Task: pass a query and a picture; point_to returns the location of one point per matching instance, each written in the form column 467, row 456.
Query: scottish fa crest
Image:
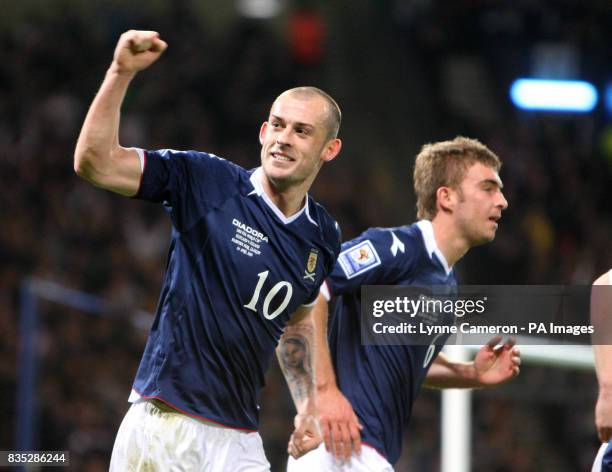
column 311, row 265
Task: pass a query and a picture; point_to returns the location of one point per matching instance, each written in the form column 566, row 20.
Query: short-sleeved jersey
column 237, row 269
column 381, row 381
column 606, row 462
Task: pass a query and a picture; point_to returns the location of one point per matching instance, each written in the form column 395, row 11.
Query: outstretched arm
column 98, row 157
column 601, row 312
column 491, row 366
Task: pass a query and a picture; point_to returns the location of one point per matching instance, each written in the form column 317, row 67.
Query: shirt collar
column 258, row 190
column 431, row 245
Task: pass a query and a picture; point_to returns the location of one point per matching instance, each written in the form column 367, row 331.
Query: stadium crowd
column 54, row 226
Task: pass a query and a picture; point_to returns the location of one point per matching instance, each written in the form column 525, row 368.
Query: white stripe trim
column 324, row 290
column 431, row 245
column 141, row 157
column 309, row 305
column 258, row 189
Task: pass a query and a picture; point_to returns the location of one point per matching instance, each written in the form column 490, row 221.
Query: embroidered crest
column 311, row 265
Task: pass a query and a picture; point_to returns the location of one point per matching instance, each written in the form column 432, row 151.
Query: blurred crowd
column 210, row 92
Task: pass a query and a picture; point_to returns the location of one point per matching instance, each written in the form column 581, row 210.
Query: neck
column 288, row 200
column 449, row 239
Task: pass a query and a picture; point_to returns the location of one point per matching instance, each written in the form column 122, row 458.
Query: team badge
column 358, row 259
column 311, row 265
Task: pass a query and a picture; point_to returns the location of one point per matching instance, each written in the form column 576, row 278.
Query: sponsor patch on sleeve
column 358, row 259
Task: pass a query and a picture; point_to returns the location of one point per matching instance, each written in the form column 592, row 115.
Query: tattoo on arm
column 296, row 359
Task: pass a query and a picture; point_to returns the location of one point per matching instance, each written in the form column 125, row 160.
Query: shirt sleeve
column 372, row 258
column 188, row 183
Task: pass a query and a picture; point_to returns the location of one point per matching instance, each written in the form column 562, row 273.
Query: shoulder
column 193, row 159
column 328, row 226
column 401, row 239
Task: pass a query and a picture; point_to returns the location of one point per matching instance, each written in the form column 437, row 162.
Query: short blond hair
column 444, row 164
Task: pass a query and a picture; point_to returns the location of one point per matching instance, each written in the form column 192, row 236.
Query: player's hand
column 339, row 424
column 305, row 437
column 496, row 365
column 603, row 416
column 137, row 50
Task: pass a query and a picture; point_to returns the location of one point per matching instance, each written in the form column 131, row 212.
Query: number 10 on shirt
column 252, row 305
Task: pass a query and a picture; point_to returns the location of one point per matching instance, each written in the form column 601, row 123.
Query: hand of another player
column 305, row 437
column 137, row 50
column 603, row 416
column 339, row 424
column 496, row 365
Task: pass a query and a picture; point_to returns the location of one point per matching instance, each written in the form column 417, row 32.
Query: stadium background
column 404, row 73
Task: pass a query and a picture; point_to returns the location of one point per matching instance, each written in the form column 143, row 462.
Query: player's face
column 480, row 203
column 294, row 141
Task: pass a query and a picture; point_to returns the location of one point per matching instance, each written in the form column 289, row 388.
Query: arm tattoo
column 296, row 361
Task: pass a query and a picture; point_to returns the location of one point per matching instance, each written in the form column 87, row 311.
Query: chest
column 270, row 266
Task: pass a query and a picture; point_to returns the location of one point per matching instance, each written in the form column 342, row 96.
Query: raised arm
column 99, row 158
column 601, row 312
column 491, row 366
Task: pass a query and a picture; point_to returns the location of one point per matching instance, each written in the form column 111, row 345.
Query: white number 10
column 271, row 294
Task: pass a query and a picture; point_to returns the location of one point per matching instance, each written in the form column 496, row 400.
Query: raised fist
column 137, row 50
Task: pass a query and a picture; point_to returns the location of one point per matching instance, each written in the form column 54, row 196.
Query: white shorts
column 599, row 458
column 320, row 460
column 155, row 438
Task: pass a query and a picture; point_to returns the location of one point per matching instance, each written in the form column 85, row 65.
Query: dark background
column 405, row 73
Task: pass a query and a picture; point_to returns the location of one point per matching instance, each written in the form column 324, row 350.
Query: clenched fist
column 137, row 50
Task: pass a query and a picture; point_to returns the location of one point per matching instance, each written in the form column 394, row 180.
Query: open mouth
column 281, row 157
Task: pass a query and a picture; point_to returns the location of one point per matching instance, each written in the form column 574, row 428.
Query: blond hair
column 444, row 164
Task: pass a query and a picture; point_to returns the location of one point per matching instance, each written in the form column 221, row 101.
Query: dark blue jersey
column 382, row 382
column 606, row 462
column 237, row 269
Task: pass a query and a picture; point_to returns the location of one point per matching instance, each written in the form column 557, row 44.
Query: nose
column 282, row 138
column 503, row 203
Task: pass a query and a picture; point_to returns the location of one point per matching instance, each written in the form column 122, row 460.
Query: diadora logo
column 249, row 230
column 311, row 265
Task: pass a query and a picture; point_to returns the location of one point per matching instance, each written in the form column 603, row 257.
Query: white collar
column 258, row 190
column 430, row 243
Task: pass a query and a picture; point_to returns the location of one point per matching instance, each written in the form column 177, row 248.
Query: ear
column 331, row 150
column 262, row 132
column 446, row 199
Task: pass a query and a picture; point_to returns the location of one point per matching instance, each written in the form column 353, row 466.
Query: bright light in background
column 553, row 95
column 259, row 9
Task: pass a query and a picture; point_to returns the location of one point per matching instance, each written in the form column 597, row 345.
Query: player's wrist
column 308, row 407
column 118, row 71
column 474, row 375
column 327, row 386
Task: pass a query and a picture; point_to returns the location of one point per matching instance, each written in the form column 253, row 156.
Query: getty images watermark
column 472, row 314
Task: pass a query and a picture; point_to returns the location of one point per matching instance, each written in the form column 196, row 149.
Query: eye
column 490, row 188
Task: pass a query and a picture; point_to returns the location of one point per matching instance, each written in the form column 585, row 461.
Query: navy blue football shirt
column 606, row 462
column 381, row 381
column 237, row 269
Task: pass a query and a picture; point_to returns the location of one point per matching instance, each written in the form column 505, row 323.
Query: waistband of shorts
column 165, row 408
